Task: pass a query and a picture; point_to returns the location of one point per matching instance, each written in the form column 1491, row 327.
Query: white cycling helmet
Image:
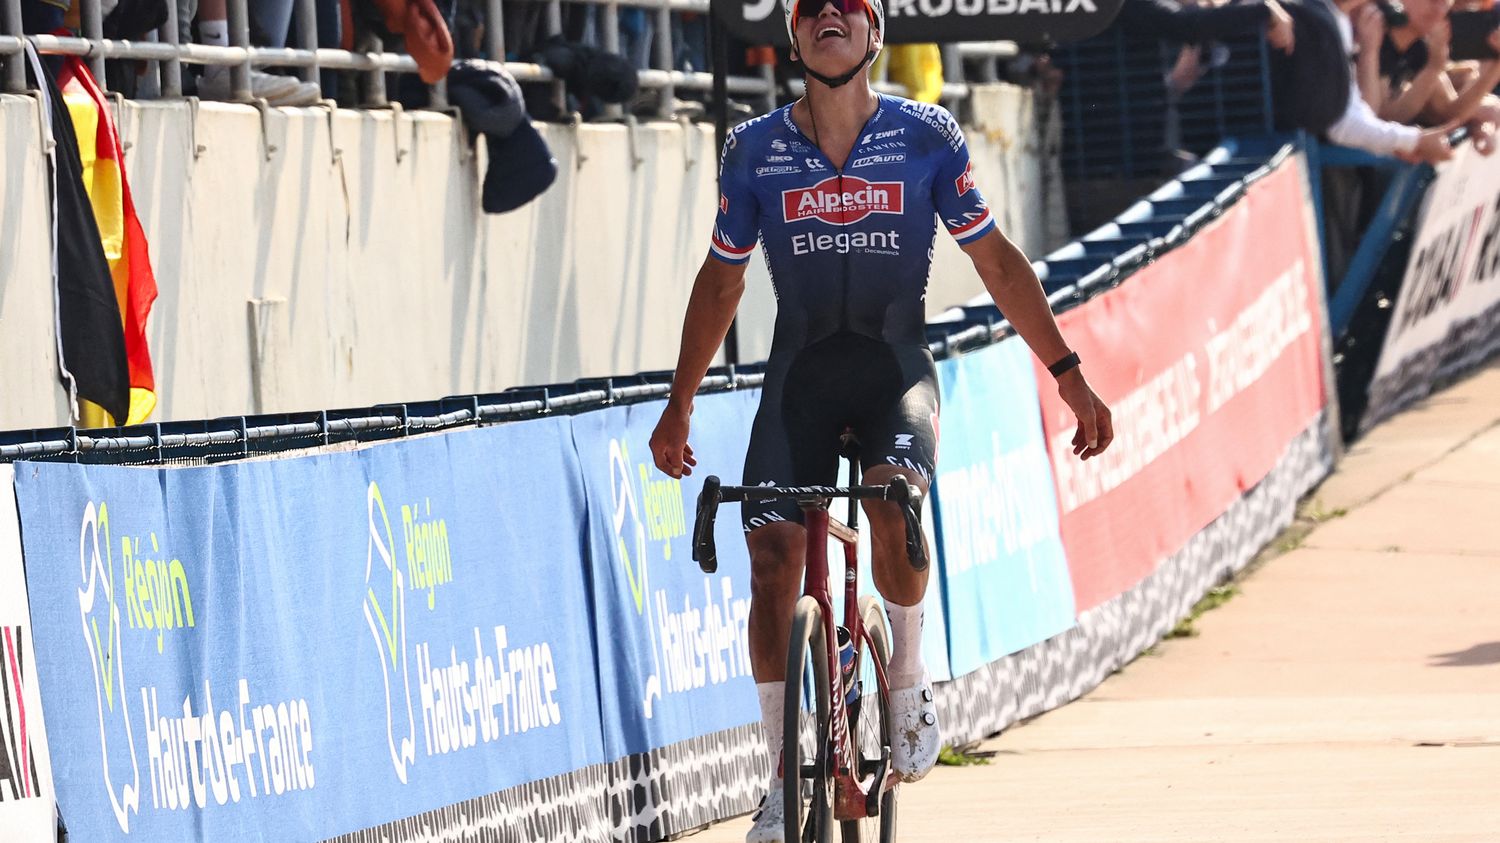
column 876, row 9
column 790, row 6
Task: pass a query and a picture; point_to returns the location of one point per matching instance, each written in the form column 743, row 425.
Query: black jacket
column 1310, row 87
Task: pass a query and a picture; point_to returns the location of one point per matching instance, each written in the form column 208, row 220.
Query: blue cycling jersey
column 848, row 249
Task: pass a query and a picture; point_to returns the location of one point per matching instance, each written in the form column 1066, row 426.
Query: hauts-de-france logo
column 386, row 616
column 99, row 613
column 630, row 542
column 842, row 201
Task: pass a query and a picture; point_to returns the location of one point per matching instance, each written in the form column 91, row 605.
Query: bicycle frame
column 857, row 790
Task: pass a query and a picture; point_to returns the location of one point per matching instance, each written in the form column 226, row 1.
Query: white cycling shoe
column 770, row 817
column 915, row 730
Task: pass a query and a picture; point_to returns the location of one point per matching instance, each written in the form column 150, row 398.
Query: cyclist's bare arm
column 711, row 306
column 1013, row 285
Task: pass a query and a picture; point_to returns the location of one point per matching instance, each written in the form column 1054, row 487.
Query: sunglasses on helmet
column 813, row 8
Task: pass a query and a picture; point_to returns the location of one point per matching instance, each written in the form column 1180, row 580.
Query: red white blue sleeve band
column 725, row 250
column 973, row 229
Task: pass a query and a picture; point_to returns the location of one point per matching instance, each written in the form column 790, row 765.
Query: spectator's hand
column 1438, row 41
column 1280, row 31
column 1483, row 126
column 669, row 446
column 1369, row 28
column 1482, row 135
column 1432, row 147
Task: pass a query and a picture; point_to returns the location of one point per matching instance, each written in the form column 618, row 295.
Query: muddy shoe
column 915, row 735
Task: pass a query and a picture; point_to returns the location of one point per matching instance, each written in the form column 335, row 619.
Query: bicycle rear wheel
column 872, row 731
column 806, row 766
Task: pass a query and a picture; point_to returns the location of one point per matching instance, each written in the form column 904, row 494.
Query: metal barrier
column 168, row 55
column 241, row 437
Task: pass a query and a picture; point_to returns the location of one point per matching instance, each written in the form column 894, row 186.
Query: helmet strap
column 843, row 78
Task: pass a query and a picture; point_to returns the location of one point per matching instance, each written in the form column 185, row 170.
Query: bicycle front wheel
column 808, row 772
column 871, row 728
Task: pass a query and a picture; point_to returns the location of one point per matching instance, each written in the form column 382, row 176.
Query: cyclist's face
column 831, row 40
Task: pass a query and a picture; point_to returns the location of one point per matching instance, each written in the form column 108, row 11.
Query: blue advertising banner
column 295, row 649
column 1006, row 582
column 674, row 655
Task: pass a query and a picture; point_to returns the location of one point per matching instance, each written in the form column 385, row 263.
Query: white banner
column 27, row 811
column 1449, row 306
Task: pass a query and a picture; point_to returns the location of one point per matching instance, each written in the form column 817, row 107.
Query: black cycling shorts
column 887, row 394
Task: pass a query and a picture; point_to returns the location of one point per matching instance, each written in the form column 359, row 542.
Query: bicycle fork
column 857, row 790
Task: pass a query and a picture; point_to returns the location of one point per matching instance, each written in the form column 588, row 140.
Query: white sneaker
column 770, row 818
column 914, row 730
column 276, row 90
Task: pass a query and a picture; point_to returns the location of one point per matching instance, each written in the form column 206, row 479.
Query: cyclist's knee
column 887, row 523
column 776, row 557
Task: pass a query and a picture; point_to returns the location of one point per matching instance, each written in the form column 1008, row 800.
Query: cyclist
column 843, row 187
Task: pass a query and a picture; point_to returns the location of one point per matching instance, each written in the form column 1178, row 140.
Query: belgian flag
column 104, row 284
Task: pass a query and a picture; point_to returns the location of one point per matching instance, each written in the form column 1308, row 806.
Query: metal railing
column 166, row 55
column 240, row 437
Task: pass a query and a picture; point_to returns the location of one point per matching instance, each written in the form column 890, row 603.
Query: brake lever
column 910, row 500
column 704, row 552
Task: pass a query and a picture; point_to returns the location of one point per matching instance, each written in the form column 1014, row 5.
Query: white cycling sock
column 905, row 668
column 772, row 718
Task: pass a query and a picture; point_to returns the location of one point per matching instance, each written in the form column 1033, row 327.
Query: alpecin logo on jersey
column 965, row 183
column 858, row 199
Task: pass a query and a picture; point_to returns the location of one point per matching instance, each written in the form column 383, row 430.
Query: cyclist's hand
column 669, row 445
column 1095, row 425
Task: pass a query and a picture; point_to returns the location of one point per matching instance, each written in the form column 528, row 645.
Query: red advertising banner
column 1211, row 362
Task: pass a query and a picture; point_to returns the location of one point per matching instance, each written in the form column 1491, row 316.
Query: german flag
column 102, row 161
column 90, row 333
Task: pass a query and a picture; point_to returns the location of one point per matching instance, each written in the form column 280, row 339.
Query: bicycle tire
column 811, row 822
column 881, row 828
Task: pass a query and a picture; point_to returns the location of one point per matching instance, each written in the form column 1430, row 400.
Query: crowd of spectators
column 352, row 24
column 1371, row 74
column 1375, row 75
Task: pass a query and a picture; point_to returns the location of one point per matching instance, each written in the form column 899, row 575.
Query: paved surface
column 1349, row 692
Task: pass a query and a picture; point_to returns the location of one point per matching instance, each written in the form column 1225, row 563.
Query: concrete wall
column 309, row 258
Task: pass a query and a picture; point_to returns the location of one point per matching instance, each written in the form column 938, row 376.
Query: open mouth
column 831, row 31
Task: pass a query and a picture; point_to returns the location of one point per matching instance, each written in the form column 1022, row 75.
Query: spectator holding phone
column 1399, row 69
column 1405, row 74
column 1360, row 126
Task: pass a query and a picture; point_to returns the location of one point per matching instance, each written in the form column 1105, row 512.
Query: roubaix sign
column 1449, row 306
column 915, row 21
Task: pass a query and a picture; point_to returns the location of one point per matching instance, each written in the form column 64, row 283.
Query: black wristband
column 1065, row 365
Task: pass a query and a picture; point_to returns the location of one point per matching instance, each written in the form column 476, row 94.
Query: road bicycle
column 837, row 756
